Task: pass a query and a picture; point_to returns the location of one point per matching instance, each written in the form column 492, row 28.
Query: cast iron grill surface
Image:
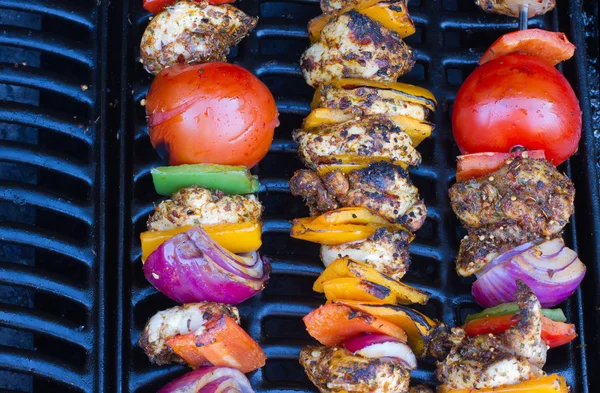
column 75, row 191
column 52, row 192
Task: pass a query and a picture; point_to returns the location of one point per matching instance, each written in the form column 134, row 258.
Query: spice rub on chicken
column 386, row 252
column 511, row 7
column 373, row 138
column 353, row 45
column 525, row 200
column 180, row 320
column 190, row 31
column 336, row 369
column 199, row 206
column 488, row 361
column 382, row 187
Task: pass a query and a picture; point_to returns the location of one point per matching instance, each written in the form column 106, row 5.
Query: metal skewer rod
column 523, row 16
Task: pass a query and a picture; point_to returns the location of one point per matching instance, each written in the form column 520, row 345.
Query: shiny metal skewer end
column 523, row 16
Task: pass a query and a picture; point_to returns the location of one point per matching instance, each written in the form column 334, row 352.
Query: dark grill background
column 75, row 192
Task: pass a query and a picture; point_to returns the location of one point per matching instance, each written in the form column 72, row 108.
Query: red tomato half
column 156, row 6
column 214, row 113
column 472, row 166
column 553, row 333
column 517, row 100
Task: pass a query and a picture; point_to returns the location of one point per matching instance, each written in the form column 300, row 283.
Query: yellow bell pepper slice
column 357, row 159
column 348, row 268
column 357, row 289
column 385, row 13
column 417, row 131
column 330, row 234
column 323, row 169
column 418, row 327
column 357, row 215
column 550, row 384
column 394, row 16
column 237, row 238
column 406, row 92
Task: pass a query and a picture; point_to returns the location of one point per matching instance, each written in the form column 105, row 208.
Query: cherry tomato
column 156, row 6
column 546, row 45
column 471, row 166
column 517, row 100
column 214, row 113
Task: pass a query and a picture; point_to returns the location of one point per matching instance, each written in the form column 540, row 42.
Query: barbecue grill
column 75, row 191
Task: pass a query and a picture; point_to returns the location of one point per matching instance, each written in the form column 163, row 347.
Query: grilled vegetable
column 229, row 179
column 192, row 267
column 237, row 238
column 357, row 289
column 550, row 269
column 222, row 343
column 376, row 346
column 549, row 384
column 471, row 166
column 555, row 314
column 550, row 46
column 331, row 234
column 417, row 326
column 333, row 324
column 347, row 268
column 210, row 380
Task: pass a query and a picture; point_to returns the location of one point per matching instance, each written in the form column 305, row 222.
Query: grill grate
column 73, row 298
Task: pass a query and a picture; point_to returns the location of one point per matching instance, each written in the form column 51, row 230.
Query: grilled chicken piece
column 369, row 138
column 487, row 361
column 337, row 370
column 382, row 187
column 189, row 31
column 364, row 101
column 527, row 195
column 386, row 252
column 352, row 45
column 199, row 206
column 189, row 318
column 511, row 7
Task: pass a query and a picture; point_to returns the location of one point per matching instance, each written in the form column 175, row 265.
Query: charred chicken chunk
column 352, row 45
column 175, row 321
column 524, row 194
column 338, row 370
column 190, row 32
column 386, row 252
column 364, row 101
column 511, row 7
column 487, row 361
column 199, row 206
column 373, row 138
column 382, row 187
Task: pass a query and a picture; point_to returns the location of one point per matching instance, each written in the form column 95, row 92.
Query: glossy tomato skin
column 517, row 100
column 215, row 113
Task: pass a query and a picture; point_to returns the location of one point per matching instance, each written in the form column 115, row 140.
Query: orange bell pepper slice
column 332, row 324
column 330, row 234
column 348, row 268
column 356, row 215
column 550, row 384
column 418, row 327
column 223, row 343
column 237, row 238
column 357, row 289
column 356, row 159
column 323, row 169
column 406, row 92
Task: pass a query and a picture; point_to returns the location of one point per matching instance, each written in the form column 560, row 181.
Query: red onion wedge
column 379, row 346
column 550, row 269
column 191, row 267
column 210, row 380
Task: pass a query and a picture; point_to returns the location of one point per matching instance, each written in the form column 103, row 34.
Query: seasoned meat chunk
column 189, row 31
column 528, row 193
column 386, row 252
column 175, row 321
column 199, row 206
column 364, row 101
column 370, row 138
column 308, row 184
column 336, row 369
column 487, row 361
column 353, row 45
column 511, row 7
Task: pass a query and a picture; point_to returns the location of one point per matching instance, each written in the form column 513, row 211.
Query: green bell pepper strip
column 229, row 179
column 555, row 314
